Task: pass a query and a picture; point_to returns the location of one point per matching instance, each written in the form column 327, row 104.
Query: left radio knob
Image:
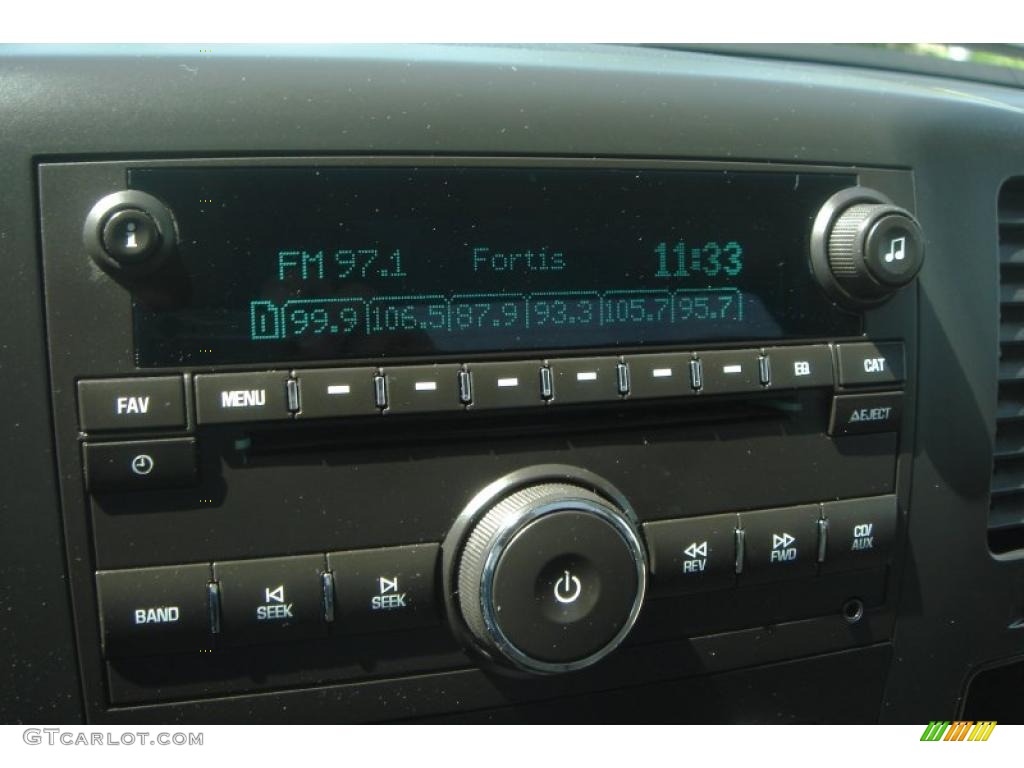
column 129, row 232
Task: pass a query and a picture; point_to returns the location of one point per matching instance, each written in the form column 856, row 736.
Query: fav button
column 780, row 543
column 147, row 611
column 156, row 402
column 140, row 465
column 233, row 397
column 275, row 599
column 692, row 555
column 378, row 590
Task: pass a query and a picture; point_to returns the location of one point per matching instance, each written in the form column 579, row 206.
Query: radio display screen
column 281, row 264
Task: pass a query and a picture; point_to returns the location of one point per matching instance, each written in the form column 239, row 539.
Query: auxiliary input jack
column 853, row 610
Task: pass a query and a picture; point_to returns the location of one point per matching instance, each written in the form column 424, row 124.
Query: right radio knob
column 865, row 248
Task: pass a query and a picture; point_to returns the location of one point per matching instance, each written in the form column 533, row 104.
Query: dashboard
column 508, row 384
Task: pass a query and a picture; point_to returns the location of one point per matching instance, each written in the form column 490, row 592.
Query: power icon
column 142, row 464
column 568, row 589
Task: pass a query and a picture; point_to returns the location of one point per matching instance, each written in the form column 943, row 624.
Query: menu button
column 232, row 397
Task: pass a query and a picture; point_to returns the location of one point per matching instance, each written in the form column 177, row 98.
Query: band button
column 147, row 611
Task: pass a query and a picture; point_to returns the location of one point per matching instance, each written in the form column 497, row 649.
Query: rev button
column 693, row 554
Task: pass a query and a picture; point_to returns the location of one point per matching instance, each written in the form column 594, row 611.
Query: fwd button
column 780, row 543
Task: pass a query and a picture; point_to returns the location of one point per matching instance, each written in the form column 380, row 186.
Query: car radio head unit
column 303, row 263
column 391, row 417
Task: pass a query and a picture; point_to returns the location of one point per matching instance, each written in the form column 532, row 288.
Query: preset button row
column 158, row 402
column 719, row 551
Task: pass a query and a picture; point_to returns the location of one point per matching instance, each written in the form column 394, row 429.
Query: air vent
column 1006, row 514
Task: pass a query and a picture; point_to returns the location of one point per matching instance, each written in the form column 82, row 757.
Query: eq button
column 800, row 367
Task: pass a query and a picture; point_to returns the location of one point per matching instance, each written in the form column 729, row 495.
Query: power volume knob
column 864, row 248
column 550, row 578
